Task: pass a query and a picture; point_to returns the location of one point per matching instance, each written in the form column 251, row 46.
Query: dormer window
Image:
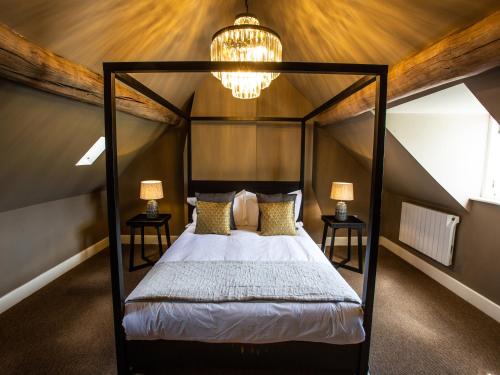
column 491, row 182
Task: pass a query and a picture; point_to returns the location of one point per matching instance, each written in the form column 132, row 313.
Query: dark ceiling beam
column 245, row 119
column 459, row 55
column 24, row 62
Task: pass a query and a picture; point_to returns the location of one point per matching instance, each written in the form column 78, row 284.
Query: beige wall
column 36, row 238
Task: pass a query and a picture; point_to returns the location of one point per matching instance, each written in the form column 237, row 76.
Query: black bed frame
column 161, row 355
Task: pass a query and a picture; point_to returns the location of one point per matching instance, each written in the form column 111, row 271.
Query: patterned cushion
column 277, row 218
column 220, row 197
column 213, row 218
column 273, row 198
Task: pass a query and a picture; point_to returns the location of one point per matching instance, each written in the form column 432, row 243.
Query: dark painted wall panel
column 332, row 162
column 486, row 88
column 163, row 160
column 36, row 238
column 477, row 243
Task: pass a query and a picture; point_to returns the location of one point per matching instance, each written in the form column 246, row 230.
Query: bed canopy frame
column 144, row 356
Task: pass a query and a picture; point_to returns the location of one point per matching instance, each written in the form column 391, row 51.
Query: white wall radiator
column 428, row 231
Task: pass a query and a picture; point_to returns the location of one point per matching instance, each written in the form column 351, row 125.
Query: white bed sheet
column 244, row 322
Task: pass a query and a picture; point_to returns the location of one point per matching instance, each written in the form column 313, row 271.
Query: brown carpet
column 419, row 326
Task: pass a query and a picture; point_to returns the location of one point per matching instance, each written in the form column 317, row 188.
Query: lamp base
column 152, row 209
column 341, row 211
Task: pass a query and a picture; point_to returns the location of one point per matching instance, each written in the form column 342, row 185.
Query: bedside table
column 142, row 221
column 352, row 223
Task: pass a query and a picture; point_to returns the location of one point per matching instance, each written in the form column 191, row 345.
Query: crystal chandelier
column 246, row 40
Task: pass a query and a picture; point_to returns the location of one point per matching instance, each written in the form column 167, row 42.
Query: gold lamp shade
column 342, row 191
column 151, row 189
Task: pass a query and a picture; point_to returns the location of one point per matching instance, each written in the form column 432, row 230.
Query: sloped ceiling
column 43, row 135
column 90, row 32
column 486, row 89
column 363, row 31
column 403, row 174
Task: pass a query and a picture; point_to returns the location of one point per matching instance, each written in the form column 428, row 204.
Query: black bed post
column 374, row 218
column 302, row 165
column 357, row 357
column 189, row 160
column 114, row 218
column 302, row 153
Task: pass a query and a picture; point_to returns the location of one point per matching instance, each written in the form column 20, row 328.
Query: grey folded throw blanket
column 240, row 281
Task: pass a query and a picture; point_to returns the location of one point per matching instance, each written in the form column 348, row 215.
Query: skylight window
column 93, row 153
column 453, row 137
column 491, row 183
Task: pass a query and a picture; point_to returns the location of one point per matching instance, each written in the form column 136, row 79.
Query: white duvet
column 245, row 322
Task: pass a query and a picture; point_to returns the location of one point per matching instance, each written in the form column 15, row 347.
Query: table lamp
column 341, row 191
column 150, row 191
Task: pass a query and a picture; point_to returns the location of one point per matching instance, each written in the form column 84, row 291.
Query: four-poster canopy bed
column 152, row 355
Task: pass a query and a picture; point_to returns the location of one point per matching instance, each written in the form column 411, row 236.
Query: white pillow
column 252, row 209
column 238, row 208
column 298, row 203
column 192, row 202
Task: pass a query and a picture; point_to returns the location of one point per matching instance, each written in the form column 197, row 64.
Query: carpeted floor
column 419, row 326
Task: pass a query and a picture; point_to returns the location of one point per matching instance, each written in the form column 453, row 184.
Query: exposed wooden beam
column 459, row 55
column 139, row 87
column 25, row 62
column 351, row 90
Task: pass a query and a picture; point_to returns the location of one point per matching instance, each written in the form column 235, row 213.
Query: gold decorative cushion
column 277, row 218
column 213, row 217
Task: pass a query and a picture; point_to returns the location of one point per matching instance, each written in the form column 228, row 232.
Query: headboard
column 223, row 186
column 265, row 187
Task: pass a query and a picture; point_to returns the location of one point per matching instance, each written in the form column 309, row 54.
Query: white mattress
column 244, row 322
